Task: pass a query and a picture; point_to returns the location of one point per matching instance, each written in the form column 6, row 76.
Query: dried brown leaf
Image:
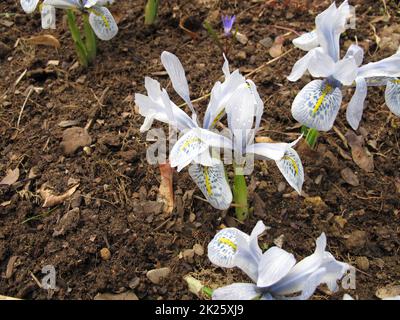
column 11, row 177
column 45, row 40
column 51, row 200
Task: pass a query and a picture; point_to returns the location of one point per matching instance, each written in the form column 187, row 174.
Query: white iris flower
column 318, row 103
column 238, row 99
column 275, row 273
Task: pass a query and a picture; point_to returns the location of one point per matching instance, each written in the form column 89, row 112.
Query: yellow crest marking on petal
column 228, row 242
column 207, row 181
column 218, row 117
column 294, row 164
column 396, row 81
column 102, row 16
column 188, row 142
column 327, row 90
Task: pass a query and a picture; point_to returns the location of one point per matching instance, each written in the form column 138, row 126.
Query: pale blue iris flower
column 318, row 103
column 237, row 98
column 100, row 18
column 275, row 274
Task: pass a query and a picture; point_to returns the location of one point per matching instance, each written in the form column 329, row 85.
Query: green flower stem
column 311, row 136
column 150, row 11
column 76, row 36
column 90, row 39
column 207, row 291
column 213, row 34
column 240, row 194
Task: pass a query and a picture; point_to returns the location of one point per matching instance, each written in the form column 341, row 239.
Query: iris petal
column 317, row 105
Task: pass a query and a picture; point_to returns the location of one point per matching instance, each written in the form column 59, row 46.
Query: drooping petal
column 233, row 248
column 307, row 41
column 310, row 285
column 389, row 67
column 29, row 5
column 292, row 169
column 223, row 248
column 48, row 16
column 237, row 291
column 317, row 105
column 177, row 75
column 274, row 264
column 356, row 105
column 212, row 183
column 272, row 151
column 103, row 23
column 195, row 142
column 392, row 96
column 62, row 4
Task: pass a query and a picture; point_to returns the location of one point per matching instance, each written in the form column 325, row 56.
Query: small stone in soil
column 350, row 177
column 362, row 263
column 157, row 275
column 356, row 239
column 198, row 249
column 105, row 254
column 75, row 138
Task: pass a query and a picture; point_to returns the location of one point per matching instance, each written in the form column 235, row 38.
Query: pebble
column 267, row 42
column 356, row 239
column 362, row 263
column 241, row 55
column 105, row 254
column 198, row 249
column 157, row 275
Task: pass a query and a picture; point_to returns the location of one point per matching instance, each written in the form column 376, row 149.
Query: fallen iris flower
column 227, row 23
column 275, row 273
column 96, row 18
column 236, row 97
column 318, row 103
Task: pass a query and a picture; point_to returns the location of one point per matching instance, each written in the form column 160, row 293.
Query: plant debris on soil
column 71, row 136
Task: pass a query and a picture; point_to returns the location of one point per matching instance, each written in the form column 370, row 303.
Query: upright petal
column 177, row 75
column 317, row 105
column 305, row 276
column 392, row 96
column 356, row 52
column 237, row 291
column 220, row 95
column 212, row 183
column 48, row 17
column 292, row 169
column 356, row 105
column 301, row 66
column 103, row 23
column 29, row 5
column 329, row 25
column 295, row 280
column 345, row 71
column 274, row 264
column 307, row 41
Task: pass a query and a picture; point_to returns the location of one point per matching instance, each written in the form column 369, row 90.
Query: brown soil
column 117, row 186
